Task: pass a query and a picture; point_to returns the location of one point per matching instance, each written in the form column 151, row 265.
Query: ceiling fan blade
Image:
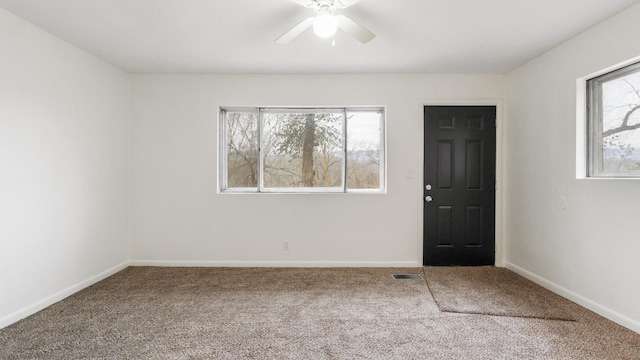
column 354, row 29
column 305, row 3
column 341, row 4
column 295, row 31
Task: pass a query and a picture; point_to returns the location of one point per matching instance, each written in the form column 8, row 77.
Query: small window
column 613, row 110
column 302, row 150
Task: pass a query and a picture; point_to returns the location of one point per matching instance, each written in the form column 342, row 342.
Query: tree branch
column 633, row 88
column 624, row 126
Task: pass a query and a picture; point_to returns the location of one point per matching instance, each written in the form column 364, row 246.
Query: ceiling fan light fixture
column 325, row 23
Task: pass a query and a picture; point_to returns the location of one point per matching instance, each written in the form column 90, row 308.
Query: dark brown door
column 459, row 185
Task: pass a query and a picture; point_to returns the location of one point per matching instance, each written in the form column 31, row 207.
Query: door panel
column 445, row 226
column 445, row 164
column 459, row 208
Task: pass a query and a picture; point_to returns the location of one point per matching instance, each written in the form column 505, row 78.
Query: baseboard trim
column 175, row 263
column 52, row 299
column 577, row 298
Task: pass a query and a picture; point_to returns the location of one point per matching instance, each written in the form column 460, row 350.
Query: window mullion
column 598, row 129
column 260, row 151
column 383, row 154
column 222, row 156
column 344, row 150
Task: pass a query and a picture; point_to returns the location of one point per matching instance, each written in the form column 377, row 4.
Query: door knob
column 428, row 199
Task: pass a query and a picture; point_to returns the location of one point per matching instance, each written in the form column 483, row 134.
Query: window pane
column 303, row 149
column 620, row 124
column 242, row 149
column 364, row 149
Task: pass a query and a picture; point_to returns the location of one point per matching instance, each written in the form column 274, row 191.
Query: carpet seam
column 505, row 316
column 429, row 288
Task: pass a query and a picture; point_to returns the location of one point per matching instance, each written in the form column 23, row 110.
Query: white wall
column 63, row 169
column 177, row 216
column 589, row 251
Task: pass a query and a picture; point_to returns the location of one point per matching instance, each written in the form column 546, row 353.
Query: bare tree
column 364, row 166
column 624, row 125
column 299, row 136
column 242, row 150
column 624, row 114
column 297, row 149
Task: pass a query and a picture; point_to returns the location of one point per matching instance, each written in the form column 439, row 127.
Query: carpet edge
column 49, row 300
column 583, row 301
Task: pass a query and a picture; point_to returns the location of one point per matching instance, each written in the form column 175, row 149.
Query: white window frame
column 259, row 112
column 593, row 101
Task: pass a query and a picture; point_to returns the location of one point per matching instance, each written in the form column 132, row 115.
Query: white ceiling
column 237, row 36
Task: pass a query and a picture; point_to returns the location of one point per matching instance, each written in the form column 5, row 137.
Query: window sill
column 352, row 192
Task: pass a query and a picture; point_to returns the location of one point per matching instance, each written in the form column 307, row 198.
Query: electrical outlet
column 285, row 245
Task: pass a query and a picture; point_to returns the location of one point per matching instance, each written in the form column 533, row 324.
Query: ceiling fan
column 325, row 23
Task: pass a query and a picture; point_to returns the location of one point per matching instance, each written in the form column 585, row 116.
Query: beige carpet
column 494, row 291
column 255, row 313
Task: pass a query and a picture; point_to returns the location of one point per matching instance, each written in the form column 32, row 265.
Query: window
column 302, row 150
column 613, row 111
